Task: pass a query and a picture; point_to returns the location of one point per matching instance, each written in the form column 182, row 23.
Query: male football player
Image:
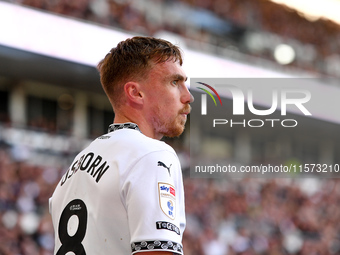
column 123, row 194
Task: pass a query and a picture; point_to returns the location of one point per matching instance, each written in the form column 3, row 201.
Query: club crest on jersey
column 167, row 199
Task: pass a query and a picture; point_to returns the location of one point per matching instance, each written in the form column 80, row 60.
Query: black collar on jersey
column 129, row 125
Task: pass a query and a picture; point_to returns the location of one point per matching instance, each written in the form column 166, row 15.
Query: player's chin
column 175, row 131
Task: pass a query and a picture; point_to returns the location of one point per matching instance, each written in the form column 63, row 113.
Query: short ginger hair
column 131, row 60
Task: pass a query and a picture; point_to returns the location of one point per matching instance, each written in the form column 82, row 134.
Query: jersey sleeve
column 154, row 199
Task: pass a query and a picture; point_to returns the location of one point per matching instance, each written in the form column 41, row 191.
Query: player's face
column 168, row 99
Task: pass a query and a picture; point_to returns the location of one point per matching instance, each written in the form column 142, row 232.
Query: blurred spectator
column 25, row 224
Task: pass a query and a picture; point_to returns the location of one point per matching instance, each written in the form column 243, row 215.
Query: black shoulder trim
column 157, row 245
column 128, row 125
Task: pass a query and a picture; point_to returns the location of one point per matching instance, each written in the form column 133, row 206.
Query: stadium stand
column 224, row 217
column 251, row 27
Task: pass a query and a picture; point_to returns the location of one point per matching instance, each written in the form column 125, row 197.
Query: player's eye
column 175, row 82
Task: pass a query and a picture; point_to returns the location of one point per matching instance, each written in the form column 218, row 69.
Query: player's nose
column 187, row 97
column 191, row 98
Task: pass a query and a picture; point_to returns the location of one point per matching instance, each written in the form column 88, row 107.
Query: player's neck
column 143, row 125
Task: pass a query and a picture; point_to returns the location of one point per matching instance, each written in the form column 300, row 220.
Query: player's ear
column 133, row 92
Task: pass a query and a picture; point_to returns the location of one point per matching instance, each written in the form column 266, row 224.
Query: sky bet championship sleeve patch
column 167, row 199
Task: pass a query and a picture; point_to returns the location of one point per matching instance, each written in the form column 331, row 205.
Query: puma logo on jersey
column 160, row 163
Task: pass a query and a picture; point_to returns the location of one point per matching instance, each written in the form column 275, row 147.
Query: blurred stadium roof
column 315, row 9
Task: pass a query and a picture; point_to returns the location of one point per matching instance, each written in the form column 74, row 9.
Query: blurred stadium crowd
column 234, row 217
column 251, row 27
column 259, row 216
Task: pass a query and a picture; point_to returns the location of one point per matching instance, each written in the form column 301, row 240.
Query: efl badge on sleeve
column 167, row 199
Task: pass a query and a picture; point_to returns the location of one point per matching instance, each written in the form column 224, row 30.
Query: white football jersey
column 121, row 195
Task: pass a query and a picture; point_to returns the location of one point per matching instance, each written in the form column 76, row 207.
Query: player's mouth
column 186, row 110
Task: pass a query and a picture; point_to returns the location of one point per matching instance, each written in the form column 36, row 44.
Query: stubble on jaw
column 171, row 129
